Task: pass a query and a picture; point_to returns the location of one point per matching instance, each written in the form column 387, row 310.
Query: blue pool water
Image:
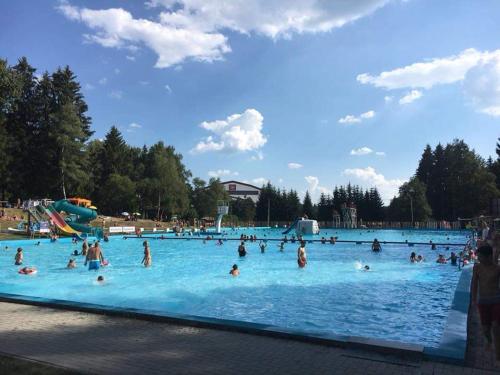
column 395, row 300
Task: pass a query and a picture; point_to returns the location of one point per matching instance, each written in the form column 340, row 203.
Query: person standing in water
column 18, row 259
column 147, row 261
column 85, row 247
column 241, row 249
column 376, row 246
column 301, row 255
column 94, row 257
column 485, row 284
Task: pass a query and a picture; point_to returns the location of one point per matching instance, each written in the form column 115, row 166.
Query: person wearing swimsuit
column 301, row 255
column 147, row 261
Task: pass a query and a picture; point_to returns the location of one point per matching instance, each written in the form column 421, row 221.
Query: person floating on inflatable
column 27, row 271
column 301, row 255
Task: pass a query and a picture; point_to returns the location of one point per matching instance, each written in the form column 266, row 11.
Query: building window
column 232, row 187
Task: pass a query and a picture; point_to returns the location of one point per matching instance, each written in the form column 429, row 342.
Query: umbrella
column 137, row 214
column 125, row 214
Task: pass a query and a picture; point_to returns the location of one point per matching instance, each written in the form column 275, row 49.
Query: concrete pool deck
column 100, row 344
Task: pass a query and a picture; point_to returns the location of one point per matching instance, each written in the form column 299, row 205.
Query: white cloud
column 410, row 97
column 260, row 181
column 117, row 28
column 294, row 165
column 314, row 188
column 273, row 19
column 116, row 94
column 351, row 119
column 312, row 182
column 193, row 29
column 238, row 132
column 88, row 86
column 131, row 58
column 429, row 73
column 132, row 127
column 259, row 155
column 387, row 187
column 482, row 87
column 478, row 71
column 169, row 90
column 103, row 81
column 380, row 153
column 361, row 151
column 388, row 98
column 222, row 173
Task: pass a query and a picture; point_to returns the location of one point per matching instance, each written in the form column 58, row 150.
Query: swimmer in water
column 71, row 264
column 281, row 246
column 453, row 258
column 376, row 246
column 420, row 258
column 323, row 240
column 262, row 246
column 234, row 271
column 441, row 259
column 366, row 268
column 241, row 249
column 18, row 259
column 147, row 260
column 100, row 279
column 413, row 257
column 75, row 252
column 301, row 255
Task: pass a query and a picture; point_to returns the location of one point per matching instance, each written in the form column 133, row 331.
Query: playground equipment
column 303, row 226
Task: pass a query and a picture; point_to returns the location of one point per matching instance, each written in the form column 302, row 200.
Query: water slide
column 59, row 221
column 79, row 217
column 289, row 229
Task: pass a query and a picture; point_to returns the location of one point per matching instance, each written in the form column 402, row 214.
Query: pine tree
column 307, row 206
column 425, row 165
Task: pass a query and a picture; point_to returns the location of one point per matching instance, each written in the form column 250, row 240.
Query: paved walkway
column 109, row 345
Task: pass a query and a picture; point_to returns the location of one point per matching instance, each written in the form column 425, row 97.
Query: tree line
column 47, row 150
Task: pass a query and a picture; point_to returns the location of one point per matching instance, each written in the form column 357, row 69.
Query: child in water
column 18, row 260
column 234, row 271
column 71, row 264
column 486, row 296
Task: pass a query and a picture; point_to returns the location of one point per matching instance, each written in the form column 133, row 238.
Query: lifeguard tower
column 349, row 215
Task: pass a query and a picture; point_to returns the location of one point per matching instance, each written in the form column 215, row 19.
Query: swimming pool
column 395, row 300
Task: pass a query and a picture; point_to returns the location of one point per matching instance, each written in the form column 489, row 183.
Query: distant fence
column 437, row 225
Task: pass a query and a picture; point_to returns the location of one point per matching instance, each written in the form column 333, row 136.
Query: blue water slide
column 291, row 226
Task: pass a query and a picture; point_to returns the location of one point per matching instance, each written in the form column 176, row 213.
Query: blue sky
column 307, row 94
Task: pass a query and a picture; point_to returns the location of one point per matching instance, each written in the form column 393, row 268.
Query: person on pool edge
column 486, row 296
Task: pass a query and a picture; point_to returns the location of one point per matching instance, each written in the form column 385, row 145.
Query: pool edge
column 453, row 345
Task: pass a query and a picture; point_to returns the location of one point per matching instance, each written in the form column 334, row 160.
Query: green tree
column 307, row 207
column 412, row 194
column 244, row 209
column 119, row 194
